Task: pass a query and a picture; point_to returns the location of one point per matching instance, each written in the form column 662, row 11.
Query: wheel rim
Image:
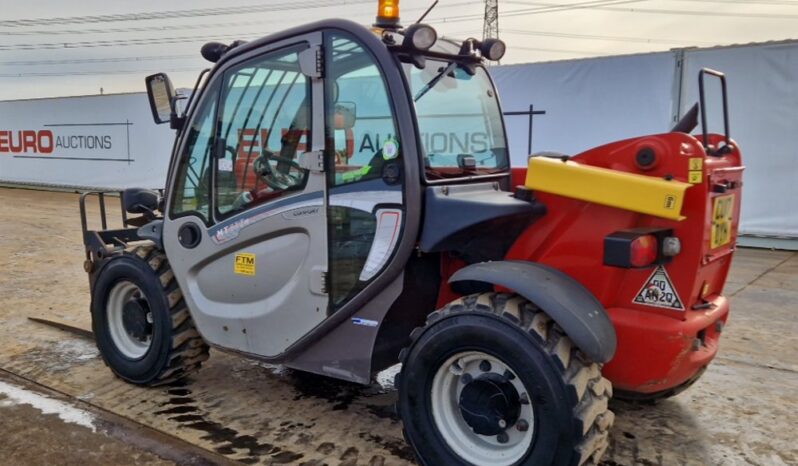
column 506, row 419
column 129, row 320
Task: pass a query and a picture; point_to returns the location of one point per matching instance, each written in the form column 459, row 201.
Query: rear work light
column 419, row 37
column 638, row 248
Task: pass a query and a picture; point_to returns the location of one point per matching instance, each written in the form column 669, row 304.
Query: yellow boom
column 629, row 191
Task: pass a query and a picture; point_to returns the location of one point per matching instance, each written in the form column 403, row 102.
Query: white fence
column 107, row 141
column 591, row 102
column 111, row 142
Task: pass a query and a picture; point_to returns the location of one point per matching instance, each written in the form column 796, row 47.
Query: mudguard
column 566, row 301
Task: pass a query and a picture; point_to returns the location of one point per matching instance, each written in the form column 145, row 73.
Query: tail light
column 643, row 251
column 638, row 248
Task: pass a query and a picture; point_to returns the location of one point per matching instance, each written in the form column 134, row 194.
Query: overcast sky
column 67, row 47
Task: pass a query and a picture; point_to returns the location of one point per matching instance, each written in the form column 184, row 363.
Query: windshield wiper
column 432, row 82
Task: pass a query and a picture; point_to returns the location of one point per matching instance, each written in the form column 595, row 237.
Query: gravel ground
column 742, row 412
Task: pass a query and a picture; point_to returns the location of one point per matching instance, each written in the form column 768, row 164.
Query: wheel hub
column 489, row 404
column 135, row 318
column 481, row 409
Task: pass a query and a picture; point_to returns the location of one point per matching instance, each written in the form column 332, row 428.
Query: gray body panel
column 345, row 352
column 571, row 305
column 265, row 312
column 288, row 319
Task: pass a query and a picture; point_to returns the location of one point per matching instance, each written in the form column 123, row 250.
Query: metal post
column 529, row 136
column 102, row 211
column 531, row 114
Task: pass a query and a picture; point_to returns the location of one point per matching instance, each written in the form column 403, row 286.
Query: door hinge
column 313, row 161
column 311, row 62
column 318, row 280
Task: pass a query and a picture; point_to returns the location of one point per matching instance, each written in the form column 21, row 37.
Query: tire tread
column 581, row 376
column 188, row 349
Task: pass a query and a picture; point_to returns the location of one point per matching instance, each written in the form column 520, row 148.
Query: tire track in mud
column 183, row 409
column 245, row 411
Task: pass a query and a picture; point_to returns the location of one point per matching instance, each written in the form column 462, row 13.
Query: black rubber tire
column 177, row 349
column 569, row 395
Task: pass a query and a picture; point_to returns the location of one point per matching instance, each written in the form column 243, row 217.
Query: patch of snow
column 386, row 377
column 77, row 350
column 66, row 412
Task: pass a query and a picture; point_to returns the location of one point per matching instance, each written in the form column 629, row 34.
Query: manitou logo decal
column 45, row 141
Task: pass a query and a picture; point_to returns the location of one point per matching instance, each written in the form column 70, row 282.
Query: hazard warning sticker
column 658, row 291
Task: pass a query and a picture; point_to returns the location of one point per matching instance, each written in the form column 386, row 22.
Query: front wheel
column 492, row 380
column 141, row 324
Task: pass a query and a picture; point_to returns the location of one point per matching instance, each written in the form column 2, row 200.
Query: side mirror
column 162, row 98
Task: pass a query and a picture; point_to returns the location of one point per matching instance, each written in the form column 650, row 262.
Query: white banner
column 106, row 141
column 763, row 113
column 591, row 102
column 587, row 102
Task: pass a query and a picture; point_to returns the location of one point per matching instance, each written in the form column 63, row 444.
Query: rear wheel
column 142, row 326
column 492, row 380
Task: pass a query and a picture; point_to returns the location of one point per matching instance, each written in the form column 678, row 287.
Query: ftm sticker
column 658, row 291
column 245, row 264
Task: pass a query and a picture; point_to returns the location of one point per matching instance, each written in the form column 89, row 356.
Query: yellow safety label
column 695, row 177
column 245, row 264
column 696, row 163
column 722, row 214
column 670, row 201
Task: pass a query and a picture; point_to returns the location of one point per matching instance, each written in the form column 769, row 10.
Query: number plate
column 722, row 214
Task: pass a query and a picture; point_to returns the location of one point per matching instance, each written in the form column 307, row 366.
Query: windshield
column 459, row 121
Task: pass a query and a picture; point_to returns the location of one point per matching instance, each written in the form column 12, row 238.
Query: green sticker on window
column 390, row 149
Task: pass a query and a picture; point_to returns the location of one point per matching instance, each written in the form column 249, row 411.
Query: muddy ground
column 742, row 412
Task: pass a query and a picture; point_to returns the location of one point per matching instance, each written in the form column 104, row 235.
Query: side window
column 192, row 188
column 360, row 123
column 360, row 141
column 264, row 126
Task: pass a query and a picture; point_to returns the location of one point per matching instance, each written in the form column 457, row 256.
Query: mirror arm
column 176, row 121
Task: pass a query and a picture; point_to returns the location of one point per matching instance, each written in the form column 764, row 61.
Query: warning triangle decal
column 658, row 291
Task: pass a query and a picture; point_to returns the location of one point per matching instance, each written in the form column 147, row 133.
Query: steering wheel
column 267, row 166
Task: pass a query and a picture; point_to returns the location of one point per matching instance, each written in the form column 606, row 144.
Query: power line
column 655, row 11
column 81, row 61
column 128, row 42
column 194, row 69
column 90, row 73
column 540, row 49
column 746, row 2
column 642, row 40
column 542, row 8
column 177, row 27
column 170, row 14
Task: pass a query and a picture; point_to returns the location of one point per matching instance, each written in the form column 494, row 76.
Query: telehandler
column 340, row 199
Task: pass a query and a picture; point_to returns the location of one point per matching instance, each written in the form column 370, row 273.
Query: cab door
column 246, row 230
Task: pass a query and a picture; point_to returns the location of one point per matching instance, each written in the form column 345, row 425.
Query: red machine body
column 660, row 350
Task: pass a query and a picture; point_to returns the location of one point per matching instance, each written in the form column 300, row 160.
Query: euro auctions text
column 45, row 141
